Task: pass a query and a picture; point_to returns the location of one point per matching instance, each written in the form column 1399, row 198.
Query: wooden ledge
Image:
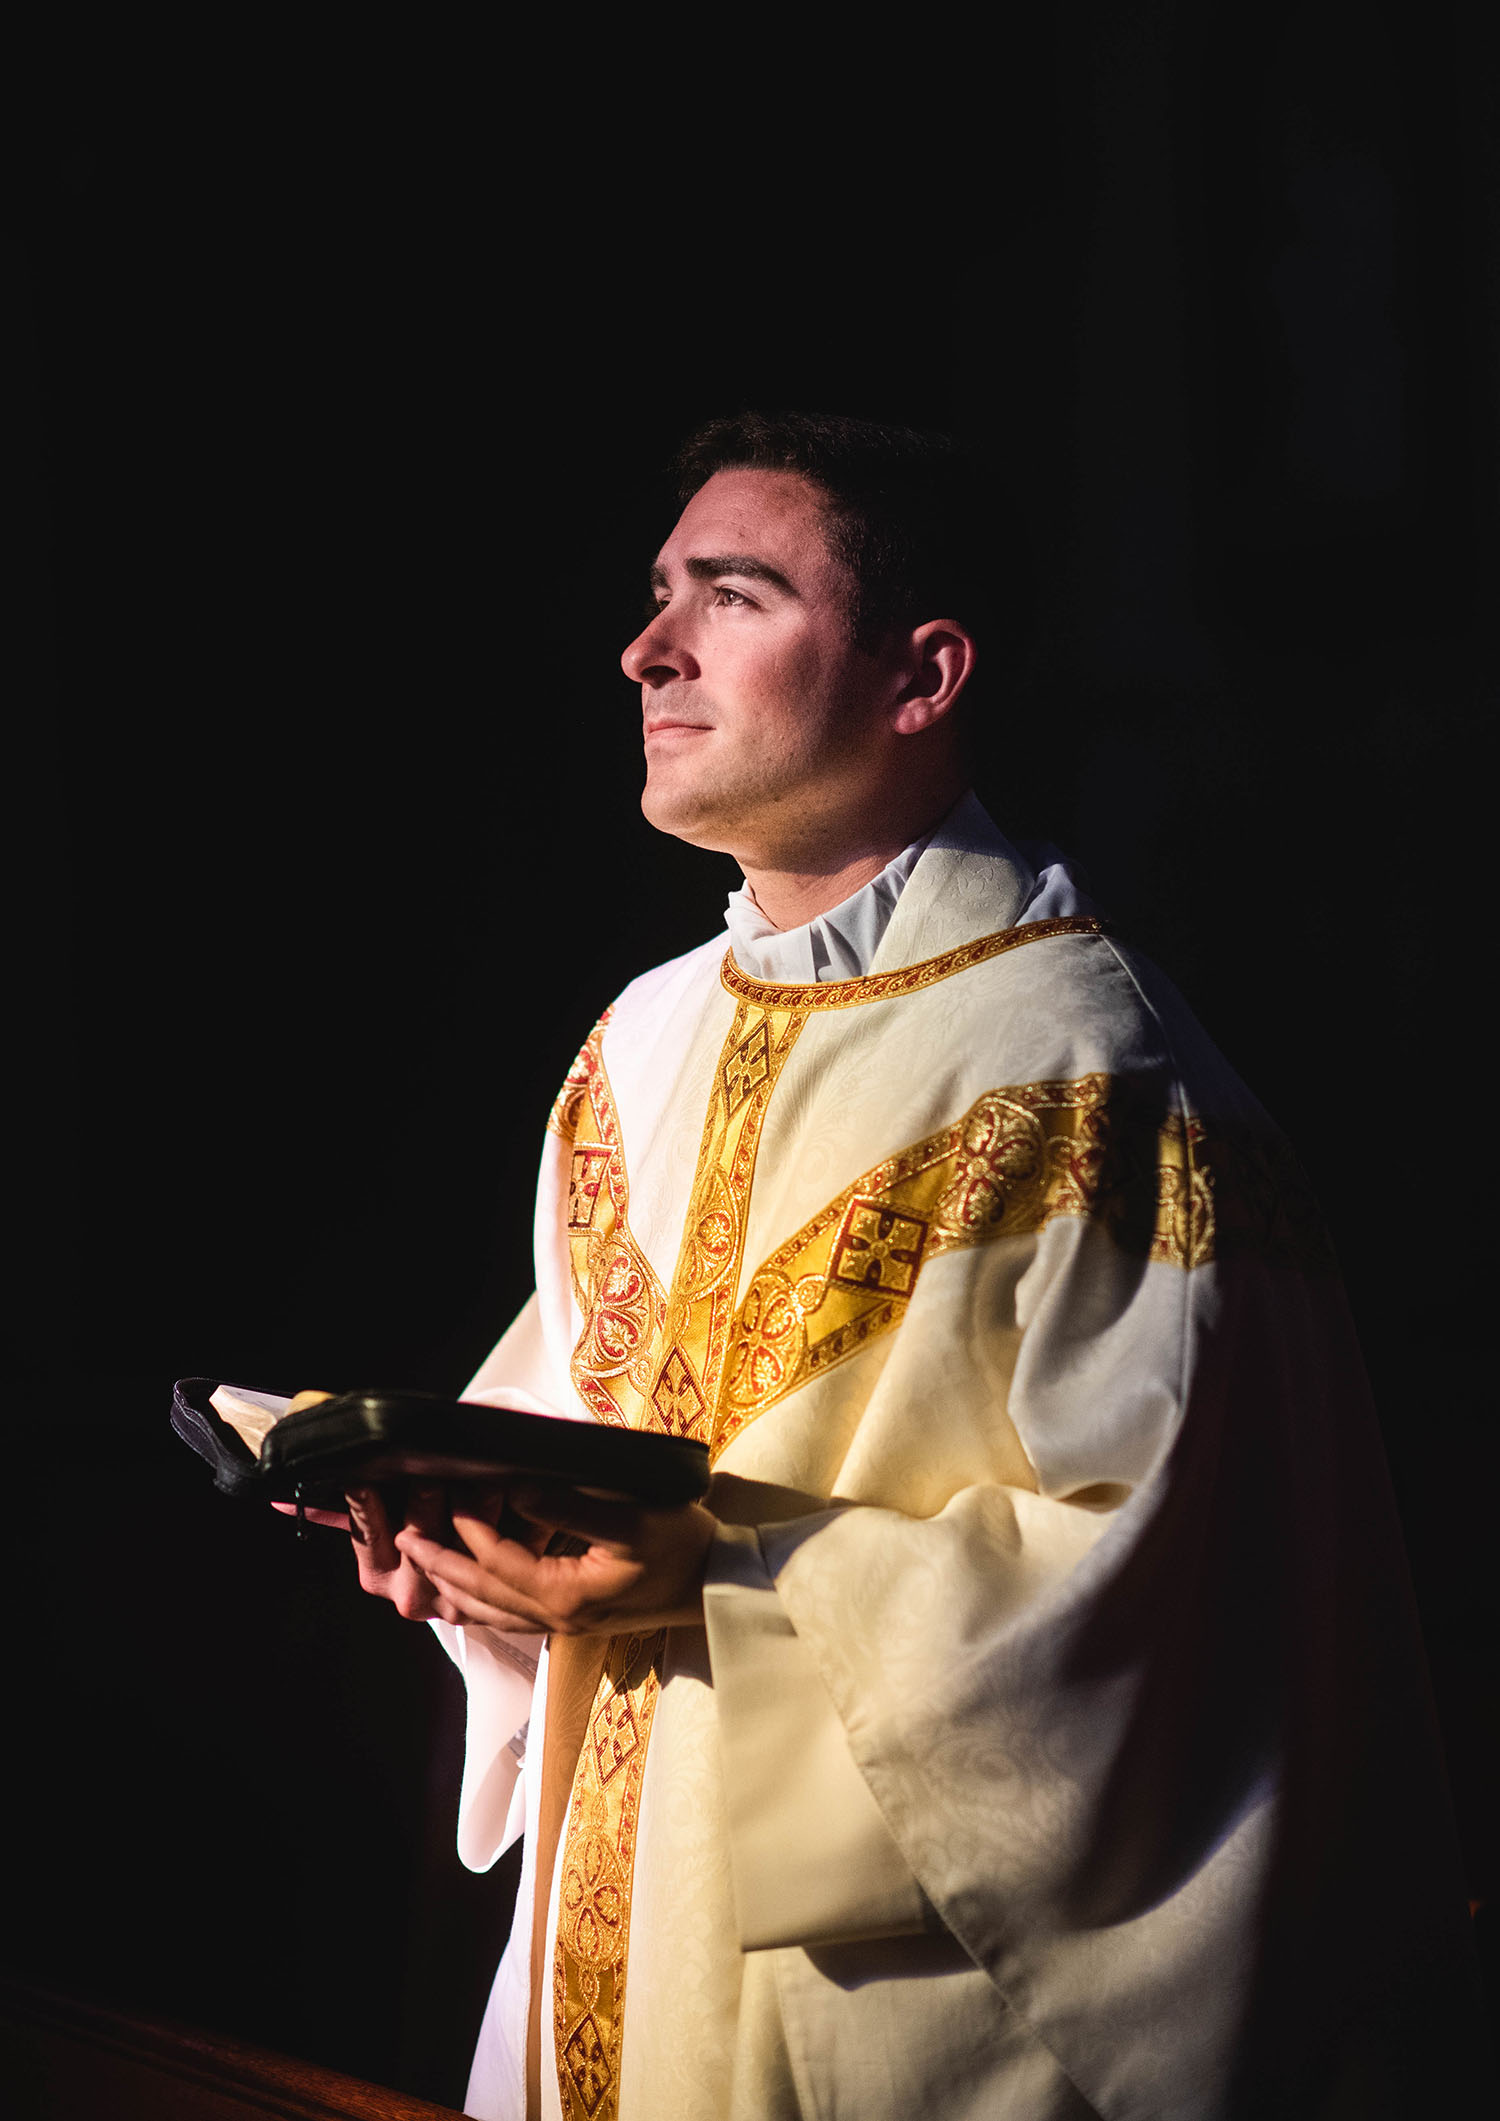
column 63, row 2059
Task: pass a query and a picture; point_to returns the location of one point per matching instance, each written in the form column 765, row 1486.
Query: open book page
column 250, row 1414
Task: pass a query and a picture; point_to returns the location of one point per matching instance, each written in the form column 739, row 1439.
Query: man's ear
column 938, row 665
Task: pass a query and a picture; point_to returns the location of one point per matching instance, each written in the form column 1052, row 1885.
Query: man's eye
column 728, row 596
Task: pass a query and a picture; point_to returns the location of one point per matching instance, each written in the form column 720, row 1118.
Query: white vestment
column 1056, row 1743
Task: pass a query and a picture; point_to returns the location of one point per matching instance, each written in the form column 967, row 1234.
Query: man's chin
column 687, row 816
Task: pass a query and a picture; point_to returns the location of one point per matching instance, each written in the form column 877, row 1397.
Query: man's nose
column 658, row 654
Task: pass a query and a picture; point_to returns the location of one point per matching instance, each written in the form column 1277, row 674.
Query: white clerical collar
column 841, row 944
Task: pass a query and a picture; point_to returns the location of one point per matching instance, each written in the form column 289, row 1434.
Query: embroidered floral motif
column 590, row 1958
column 1104, row 1148
column 769, row 1341
column 686, row 1362
column 711, row 1241
column 652, row 1361
column 563, row 1118
column 612, row 1362
column 623, row 1305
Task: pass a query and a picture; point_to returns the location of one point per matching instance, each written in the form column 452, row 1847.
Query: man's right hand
column 384, row 1571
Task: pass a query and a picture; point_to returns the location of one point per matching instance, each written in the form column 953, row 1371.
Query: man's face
column 762, row 719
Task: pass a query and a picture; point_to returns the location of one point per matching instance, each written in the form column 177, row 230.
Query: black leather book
column 372, row 1438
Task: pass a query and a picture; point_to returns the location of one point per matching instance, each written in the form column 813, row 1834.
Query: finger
column 380, row 1583
column 307, row 1399
column 338, row 1520
column 563, row 1509
column 514, row 1580
column 489, row 1546
column 413, row 1595
column 423, row 1553
column 406, row 1586
column 426, row 1509
column 479, row 1533
column 370, row 1529
column 479, row 1595
column 484, row 1499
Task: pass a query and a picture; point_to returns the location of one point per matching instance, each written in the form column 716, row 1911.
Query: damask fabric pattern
column 590, row 1957
column 1021, row 1155
column 1058, row 1687
column 648, row 1360
column 658, row 1362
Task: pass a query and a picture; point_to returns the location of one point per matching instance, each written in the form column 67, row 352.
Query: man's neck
column 789, row 898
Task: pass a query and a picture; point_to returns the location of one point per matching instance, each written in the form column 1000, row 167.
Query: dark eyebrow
column 739, row 563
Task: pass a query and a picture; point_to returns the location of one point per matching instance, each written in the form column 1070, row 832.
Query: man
column 1031, row 1722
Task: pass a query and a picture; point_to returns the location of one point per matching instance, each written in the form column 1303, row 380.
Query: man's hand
column 641, row 1568
column 385, row 1571
column 337, row 1520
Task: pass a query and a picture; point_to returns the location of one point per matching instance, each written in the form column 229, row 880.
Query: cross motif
column 585, row 1176
column 747, row 1067
column 676, row 1396
column 587, row 2063
column 615, row 1736
column 878, row 1247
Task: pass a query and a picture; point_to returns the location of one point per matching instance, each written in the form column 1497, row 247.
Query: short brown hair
column 906, row 509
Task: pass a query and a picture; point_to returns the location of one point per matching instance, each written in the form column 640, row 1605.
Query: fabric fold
column 812, row 1860
column 499, row 1673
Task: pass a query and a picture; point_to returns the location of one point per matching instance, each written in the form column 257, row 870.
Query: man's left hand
column 641, row 1569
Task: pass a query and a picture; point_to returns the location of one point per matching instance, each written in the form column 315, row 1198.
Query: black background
column 343, row 379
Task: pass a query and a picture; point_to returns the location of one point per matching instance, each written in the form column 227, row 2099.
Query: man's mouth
column 667, row 725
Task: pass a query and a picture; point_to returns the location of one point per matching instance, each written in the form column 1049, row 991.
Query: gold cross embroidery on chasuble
column 689, row 1361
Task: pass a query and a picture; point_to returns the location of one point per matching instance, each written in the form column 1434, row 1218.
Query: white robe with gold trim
column 1056, row 1744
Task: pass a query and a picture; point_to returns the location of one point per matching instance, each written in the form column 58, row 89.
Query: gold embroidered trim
column 591, row 1955
column 652, row 1362
column 1100, row 1147
column 910, row 979
column 700, row 1308
column 644, row 1359
column 563, row 1118
column 622, row 1303
column 1230, row 1191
